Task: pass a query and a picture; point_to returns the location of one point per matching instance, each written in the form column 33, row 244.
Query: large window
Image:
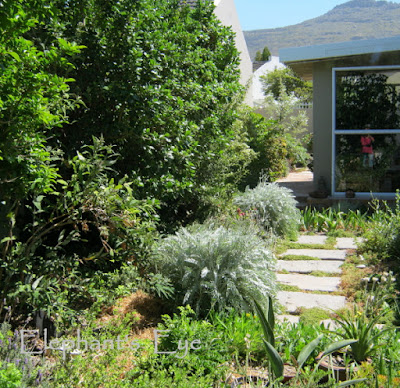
column 366, row 130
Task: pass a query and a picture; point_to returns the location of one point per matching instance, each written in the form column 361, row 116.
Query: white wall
column 226, row 12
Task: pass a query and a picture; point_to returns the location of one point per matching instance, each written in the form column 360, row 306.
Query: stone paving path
column 313, row 291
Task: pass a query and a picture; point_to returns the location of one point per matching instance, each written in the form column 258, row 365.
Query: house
column 225, row 11
column 356, row 118
column 266, row 67
column 259, row 103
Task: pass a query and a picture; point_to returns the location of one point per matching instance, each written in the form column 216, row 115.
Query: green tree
column 266, row 54
column 291, row 123
column 285, row 80
column 161, row 81
column 60, row 219
column 267, row 141
column 34, row 101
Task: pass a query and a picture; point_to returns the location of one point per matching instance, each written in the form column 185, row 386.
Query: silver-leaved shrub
column 217, row 267
column 273, row 206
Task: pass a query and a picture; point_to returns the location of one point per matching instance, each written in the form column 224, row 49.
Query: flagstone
column 293, row 300
column 307, row 266
column 317, row 239
column 310, row 283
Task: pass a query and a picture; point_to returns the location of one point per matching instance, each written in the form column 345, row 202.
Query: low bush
column 382, row 236
column 270, row 147
column 18, row 369
column 214, row 267
column 273, row 206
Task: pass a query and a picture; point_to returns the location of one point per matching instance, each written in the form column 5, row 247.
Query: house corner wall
column 226, row 12
column 322, row 118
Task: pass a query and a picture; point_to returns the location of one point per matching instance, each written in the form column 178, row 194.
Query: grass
column 298, row 257
column 289, row 287
column 312, row 315
column 284, row 245
column 324, row 274
column 341, row 233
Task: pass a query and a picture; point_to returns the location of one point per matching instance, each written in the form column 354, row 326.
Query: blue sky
column 260, row 14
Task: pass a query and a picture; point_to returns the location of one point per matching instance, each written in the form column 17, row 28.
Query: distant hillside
column 354, row 20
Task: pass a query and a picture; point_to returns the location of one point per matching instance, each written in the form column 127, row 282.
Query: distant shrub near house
column 273, row 206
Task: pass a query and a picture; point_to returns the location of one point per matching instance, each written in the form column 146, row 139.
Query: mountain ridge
column 353, row 20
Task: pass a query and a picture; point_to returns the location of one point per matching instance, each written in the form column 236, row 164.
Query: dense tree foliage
column 286, row 81
column 160, row 81
column 156, row 81
column 265, row 55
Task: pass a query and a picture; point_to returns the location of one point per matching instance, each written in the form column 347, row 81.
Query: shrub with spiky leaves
column 273, row 206
column 217, row 267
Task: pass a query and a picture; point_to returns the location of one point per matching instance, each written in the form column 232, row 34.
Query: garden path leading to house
column 301, row 183
column 312, row 291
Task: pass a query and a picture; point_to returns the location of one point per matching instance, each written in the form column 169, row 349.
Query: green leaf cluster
column 161, row 82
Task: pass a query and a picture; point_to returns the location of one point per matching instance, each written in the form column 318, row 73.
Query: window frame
column 335, row 132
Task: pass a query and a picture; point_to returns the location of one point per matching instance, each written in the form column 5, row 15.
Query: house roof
column 369, row 51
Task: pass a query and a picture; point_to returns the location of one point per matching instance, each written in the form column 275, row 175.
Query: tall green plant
column 269, row 145
column 161, row 81
column 268, row 323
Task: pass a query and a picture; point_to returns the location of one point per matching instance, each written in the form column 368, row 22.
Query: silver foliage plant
column 273, row 206
column 217, row 267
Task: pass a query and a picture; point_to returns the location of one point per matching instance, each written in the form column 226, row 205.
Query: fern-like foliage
column 273, row 206
column 216, row 267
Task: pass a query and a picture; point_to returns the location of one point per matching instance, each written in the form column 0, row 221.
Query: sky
column 261, row 14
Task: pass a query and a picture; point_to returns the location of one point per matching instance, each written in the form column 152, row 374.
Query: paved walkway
column 312, row 291
column 300, row 182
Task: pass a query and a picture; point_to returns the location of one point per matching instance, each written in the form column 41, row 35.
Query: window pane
column 368, row 97
column 367, row 163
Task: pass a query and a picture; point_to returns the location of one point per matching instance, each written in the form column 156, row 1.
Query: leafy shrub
column 269, row 144
column 177, row 334
column 127, row 280
column 86, row 224
column 240, row 332
column 17, row 369
column 10, row 377
column 273, row 206
column 214, row 266
column 382, row 236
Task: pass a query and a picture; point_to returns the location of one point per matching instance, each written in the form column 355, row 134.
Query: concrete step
column 346, row 243
column 323, row 254
column 310, row 283
column 317, row 239
column 307, row 266
column 301, row 198
column 293, row 300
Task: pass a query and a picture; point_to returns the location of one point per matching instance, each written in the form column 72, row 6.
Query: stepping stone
column 310, row 283
column 345, row 243
column 293, row 300
column 303, row 239
column 323, row 254
column 307, row 266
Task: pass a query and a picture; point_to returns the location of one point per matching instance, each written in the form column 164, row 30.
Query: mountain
column 354, row 20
